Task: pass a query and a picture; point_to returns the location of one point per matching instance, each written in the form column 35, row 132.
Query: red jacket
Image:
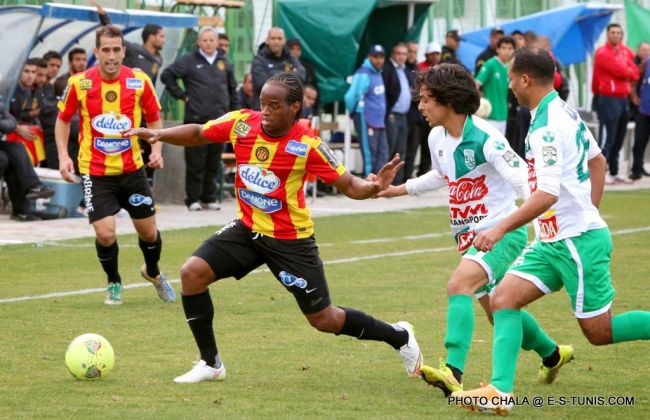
column 614, row 69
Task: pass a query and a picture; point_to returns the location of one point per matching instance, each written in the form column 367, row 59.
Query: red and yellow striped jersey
column 271, row 172
column 105, row 108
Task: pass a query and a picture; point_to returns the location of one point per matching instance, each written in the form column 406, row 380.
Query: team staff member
column 110, row 98
column 274, row 154
column 210, row 91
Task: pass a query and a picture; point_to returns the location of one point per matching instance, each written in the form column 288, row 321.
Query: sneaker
column 442, row 378
column 610, row 180
column 486, row 399
column 165, row 290
column 548, row 374
column 410, row 352
column 202, row 372
column 39, row 191
column 113, row 294
column 212, row 206
column 635, row 176
column 20, row 217
column 196, row 206
column 622, row 180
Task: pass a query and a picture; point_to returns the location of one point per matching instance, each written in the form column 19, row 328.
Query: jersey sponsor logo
column 88, row 193
column 132, row 83
column 329, row 155
column 266, row 204
column 258, row 179
column 111, row 123
column 464, row 240
column 468, row 215
column 470, row 160
column 86, row 84
column 549, row 155
column 112, row 146
column 111, row 96
column 290, row 280
column 296, row 148
column 139, row 199
column 532, row 175
column 548, row 227
column 511, row 159
column 262, row 153
column 467, row 189
column 241, row 128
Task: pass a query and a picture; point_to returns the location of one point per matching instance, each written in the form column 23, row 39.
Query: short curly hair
column 450, row 85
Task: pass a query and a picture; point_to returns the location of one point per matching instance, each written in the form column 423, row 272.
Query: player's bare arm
column 360, row 189
column 183, row 135
column 155, row 158
column 597, row 168
column 61, row 134
column 532, row 208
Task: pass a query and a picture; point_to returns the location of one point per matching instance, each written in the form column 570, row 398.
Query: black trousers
column 201, row 169
column 641, row 135
column 19, row 175
column 418, row 135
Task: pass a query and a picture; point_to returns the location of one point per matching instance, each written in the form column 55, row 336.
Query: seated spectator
column 309, row 98
column 47, row 101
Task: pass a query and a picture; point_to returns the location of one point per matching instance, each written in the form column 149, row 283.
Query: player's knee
column 106, row 237
column 150, row 235
column 192, row 278
column 323, row 323
column 455, row 287
column 598, row 338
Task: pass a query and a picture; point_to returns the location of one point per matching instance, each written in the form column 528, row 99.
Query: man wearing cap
column 431, row 55
column 452, row 42
column 366, row 102
column 491, row 50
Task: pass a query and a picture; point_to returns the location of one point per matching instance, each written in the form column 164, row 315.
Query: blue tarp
column 573, row 31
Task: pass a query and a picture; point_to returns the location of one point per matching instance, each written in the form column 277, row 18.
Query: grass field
column 392, row 265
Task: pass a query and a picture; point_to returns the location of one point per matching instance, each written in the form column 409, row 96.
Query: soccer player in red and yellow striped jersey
column 111, row 98
column 274, row 156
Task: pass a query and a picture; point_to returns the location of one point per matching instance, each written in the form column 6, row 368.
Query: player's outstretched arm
column 182, row 135
column 360, row 189
column 597, row 169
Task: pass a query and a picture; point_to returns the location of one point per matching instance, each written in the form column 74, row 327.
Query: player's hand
column 486, row 240
column 155, row 161
column 151, row 136
column 371, row 177
column 387, row 173
column 66, row 168
column 24, row 132
column 391, row 191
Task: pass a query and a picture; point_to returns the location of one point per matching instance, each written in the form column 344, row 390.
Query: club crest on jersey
column 258, row 179
column 262, row 153
column 297, row 148
column 111, row 123
column 549, row 155
column 499, row 145
column 86, row 84
column 133, row 83
column 470, row 160
column 112, row 146
column 111, row 96
column 139, row 199
column 241, row 128
column 291, row 280
column 548, row 136
column 266, row 204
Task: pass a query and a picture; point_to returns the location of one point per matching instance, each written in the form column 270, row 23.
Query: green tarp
column 638, row 23
column 336, row 34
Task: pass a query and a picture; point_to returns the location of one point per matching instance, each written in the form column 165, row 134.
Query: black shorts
column 235, row 251
column 105, row 195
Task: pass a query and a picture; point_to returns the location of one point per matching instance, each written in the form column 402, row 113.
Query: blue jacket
column 367, row 95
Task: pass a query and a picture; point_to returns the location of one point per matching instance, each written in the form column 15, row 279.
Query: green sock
column 505, row 349
column 630, row 326
column 460, row 328
column 534, row 337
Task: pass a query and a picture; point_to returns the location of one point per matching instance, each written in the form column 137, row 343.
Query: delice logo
column 258, row 179
column 112, row 146
column 111, row 123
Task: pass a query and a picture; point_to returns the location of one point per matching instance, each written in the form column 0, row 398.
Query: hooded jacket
column 265, row 64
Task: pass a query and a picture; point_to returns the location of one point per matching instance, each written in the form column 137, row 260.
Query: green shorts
column 580, row 264
column 497, row 262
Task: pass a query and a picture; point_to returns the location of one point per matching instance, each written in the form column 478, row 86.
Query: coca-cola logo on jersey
column 467, row 189
column 532, row 175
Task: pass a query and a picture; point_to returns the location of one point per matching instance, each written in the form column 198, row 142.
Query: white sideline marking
column 266, row 270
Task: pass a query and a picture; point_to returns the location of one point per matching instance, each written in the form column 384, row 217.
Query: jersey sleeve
column 484, row 74
column 69, row 102
column 546, row 148
column 149, row 101
column 322, row 163
column 219, row 130
column 508, row 164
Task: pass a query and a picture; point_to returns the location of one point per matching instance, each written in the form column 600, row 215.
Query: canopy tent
column 60, row 27
column 638, row 23
column 573, row 31
column 336, row 34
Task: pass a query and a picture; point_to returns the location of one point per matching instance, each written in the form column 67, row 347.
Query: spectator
column 18, row 172
column 518, row 36
column 642, row 53
column 530, row 38
column 642, row 131
column 614, row 69
column 366, row 102
column 54, row 61
column 245, row 92
column 452, row 42
column 418, row 128
column 223, row 43
column 25, row 109
column 495, row 35
column 398, row 83
column 273, row 57
column 493, row 79
column 309, row 98
column 44, row 92
column 295, row 47
column 560, row 81
column 210, row 91
column 412, row 56
column 431, row 56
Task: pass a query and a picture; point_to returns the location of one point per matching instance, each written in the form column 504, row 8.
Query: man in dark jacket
column 210, row 91
column 491, row 50
column 273, row 57
column 452, row 42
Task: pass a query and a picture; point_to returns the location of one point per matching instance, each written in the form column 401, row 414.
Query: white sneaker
column 410, row 352
column 622, row 180
column 202, row 372
column 213, row 206
column 196, row 206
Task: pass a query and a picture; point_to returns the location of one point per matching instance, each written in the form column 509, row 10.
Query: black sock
column 108, row 258
column 458, row 374
column 151, row 252
column 199, row 313
column 553, row 359
column 364, row 327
